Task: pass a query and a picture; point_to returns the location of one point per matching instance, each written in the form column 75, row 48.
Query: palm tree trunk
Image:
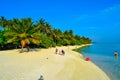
column 23, row 45
column 27, row 45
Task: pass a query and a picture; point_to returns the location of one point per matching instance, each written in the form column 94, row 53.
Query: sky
column 96, row 19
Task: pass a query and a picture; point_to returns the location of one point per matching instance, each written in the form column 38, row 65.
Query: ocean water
column 102, row 54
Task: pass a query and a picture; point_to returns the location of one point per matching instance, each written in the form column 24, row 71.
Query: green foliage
column 3, row 39
column 46, row 42
column 23, row 29
column 41, row 33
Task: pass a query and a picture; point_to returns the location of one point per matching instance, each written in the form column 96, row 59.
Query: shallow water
column 102, row 54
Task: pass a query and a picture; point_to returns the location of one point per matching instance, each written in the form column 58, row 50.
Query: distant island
column 17, row 33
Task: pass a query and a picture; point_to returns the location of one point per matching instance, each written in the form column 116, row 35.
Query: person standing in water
column 116, row 55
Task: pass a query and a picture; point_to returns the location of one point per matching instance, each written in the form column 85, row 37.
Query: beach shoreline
column 31, row 65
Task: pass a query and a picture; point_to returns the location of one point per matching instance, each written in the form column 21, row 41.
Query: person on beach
column 56, row 51
column 41, row 78
column 63, row 52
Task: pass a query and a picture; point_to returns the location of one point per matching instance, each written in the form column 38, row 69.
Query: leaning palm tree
column 24, row 31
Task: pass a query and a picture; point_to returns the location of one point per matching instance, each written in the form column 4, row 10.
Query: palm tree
column 45, row 27
column 57, row 35
column 48, row 28
column 24, row 31
column 41, row 25
column 71, row 33
column 3, row 21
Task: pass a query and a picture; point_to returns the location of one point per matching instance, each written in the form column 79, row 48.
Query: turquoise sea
column 102, row 54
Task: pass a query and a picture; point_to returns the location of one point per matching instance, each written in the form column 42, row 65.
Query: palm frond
column 11, row 40
column 35, row 41
column 10, row 34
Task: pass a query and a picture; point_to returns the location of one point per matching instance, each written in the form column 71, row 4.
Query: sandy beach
column 31, row 65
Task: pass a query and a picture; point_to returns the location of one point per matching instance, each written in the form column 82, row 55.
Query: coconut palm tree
column 41, row 25
column 45, row 27
column 49, row 29
column 24, row 31
column 57, row 35
column 3, row 21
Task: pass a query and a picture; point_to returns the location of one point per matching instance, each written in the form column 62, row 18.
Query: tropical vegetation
column 20, row 33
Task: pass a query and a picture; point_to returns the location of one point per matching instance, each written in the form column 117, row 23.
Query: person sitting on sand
column 56, row 51
column 63, row 52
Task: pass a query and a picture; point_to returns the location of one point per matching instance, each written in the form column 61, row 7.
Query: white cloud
column 101, row 13
column 110, row 9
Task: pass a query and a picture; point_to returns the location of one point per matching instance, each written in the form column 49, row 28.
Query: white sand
column 29, row 66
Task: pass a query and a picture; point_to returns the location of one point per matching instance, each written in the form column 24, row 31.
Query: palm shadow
column 30, row 50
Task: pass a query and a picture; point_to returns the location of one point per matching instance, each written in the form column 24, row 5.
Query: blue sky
column 96, row 19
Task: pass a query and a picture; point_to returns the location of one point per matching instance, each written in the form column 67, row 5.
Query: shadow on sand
column 30, row 50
